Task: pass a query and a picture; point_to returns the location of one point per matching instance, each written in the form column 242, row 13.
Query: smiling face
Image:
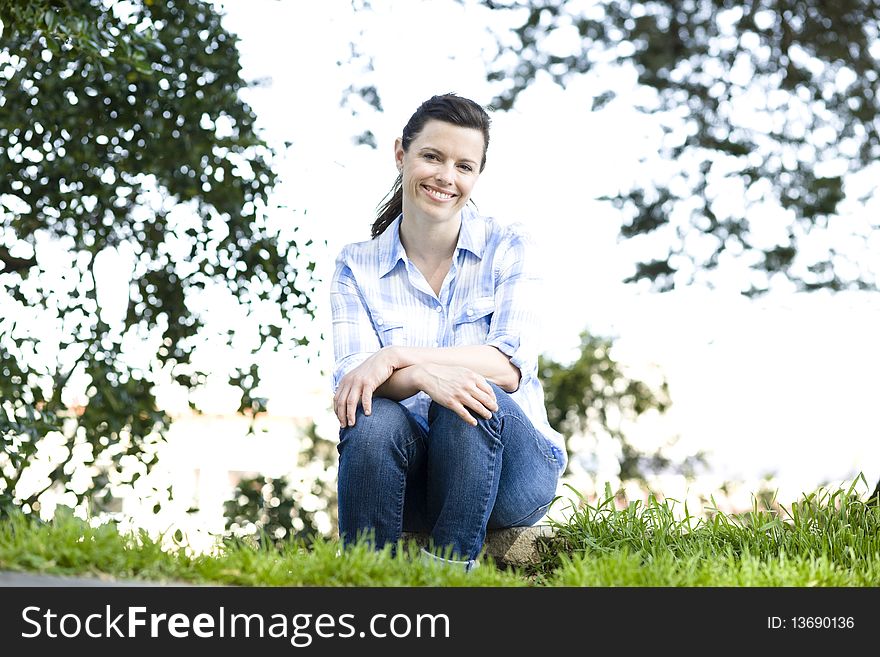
column 439, row 169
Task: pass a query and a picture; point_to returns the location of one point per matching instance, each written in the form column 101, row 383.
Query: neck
column 429, row 242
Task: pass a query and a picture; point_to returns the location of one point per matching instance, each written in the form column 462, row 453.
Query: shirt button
column 439, row 309
column 379, row 321
column 470, row 312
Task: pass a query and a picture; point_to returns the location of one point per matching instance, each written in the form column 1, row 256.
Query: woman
column 444, row 428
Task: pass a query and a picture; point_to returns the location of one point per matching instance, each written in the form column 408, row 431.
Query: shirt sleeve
column 514, row 329
column 354, row 339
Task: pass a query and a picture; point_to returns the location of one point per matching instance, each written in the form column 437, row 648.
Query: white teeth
column 440, row 195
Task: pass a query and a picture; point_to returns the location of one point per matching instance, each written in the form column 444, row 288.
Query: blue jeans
column 452, row 481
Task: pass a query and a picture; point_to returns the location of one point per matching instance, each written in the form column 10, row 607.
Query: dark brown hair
column 449, row 108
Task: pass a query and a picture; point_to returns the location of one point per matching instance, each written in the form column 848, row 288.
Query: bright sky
column 786, row 384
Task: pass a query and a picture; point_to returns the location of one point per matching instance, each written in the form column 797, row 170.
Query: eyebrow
column 426, row 149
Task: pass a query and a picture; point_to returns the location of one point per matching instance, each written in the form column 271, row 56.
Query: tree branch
column 14, row 264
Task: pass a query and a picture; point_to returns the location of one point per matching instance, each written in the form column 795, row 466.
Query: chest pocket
column 472, row 322
column 389, row 328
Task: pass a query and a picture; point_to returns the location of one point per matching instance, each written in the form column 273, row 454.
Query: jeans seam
column 545, row 449
column 518, row 523
column 486, row 511
column 401, row 496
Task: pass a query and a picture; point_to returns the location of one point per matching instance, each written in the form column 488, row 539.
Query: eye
column 430, row 156
column 466, row 167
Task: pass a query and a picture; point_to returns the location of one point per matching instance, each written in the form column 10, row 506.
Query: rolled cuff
column 346, row 365
column 510, row 346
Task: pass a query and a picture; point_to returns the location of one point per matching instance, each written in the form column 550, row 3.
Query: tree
column 770, row 119
column 123, row 132
column 263, row 509
column 282, row 510
column 771, row 123
column 594, row 396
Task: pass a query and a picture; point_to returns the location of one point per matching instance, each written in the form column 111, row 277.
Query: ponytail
column 389, row 209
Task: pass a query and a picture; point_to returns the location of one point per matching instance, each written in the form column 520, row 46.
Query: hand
column 360, row 384
column 460, row 390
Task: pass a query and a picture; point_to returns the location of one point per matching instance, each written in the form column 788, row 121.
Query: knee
column 502, row 397
column 440, row 416
column 386, row 427
column 451, row 437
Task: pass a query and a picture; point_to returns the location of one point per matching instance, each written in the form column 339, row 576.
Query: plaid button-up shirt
column 490, row 296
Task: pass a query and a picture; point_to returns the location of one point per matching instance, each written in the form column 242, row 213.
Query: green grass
column 69, row 546
column 827, row 538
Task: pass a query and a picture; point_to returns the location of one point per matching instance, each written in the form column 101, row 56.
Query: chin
column 443, row 214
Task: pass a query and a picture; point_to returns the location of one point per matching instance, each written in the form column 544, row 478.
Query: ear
column 398, row 154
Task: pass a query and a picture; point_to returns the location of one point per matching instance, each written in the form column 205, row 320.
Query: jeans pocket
column 544, row 447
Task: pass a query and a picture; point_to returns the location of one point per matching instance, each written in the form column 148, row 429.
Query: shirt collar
column 470, row 237
column 391, row 250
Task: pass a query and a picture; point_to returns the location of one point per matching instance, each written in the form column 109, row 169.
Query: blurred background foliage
column 280, row 509
column 766, row 109
column 123, row 134
column 595, row 397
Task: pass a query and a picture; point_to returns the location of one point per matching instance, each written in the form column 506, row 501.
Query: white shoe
column 466, row 566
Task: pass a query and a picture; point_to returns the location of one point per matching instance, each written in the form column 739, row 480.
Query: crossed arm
column 454, row 377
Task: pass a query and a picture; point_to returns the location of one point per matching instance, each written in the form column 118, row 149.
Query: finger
column 464, row 414
column 339, row 402
column 367, row 400
column 489, row 391
column 339, row 407
column 351, row 407
column 486, row 399
column 342, row 409
column 479, row 407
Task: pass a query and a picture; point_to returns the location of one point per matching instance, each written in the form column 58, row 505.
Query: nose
column 445, row 175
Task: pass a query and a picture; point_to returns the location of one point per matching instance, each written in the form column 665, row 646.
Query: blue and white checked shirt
column 379, row 298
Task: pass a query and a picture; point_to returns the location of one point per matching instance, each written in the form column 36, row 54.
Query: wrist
column 417, row 376
column 400, row 357
column 392, row 356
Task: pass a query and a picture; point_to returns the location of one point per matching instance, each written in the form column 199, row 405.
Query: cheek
column 415, row 174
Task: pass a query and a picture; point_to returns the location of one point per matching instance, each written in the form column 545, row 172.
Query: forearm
column 458, row 388
column 402, row 383
column 485, row 360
